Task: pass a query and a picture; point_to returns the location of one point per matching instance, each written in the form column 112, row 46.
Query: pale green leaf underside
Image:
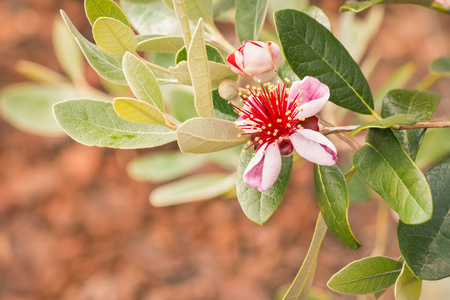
column 183, row 20
column 407, row 286
column 114, row 37
column 142, row 81
column 104, row 8
column 358, row 6
column 401, row 119
column 193, row 188
column 334, row 199
column 138, row 111
column 250, row 16
column 318, row 15
column 106, row 65
column 257, row 206
column 385, row 166
column 163, row 44
column 203, row 135
column 199, row 70
column 365, row 276
column 95, row 123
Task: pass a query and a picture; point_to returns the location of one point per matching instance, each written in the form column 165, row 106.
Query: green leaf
column 152, row 18
column 193, row 188
column 28, row 106
column 414, row 102
column 334, row 199
column 358, row 6
column 95, row 123
column 199, row 70
column 250, row 16
column 114, row 37
column 211, row 52
column 365, row 276
column 106, row 65
column 408, row 286
column 180, row 102
column 197, row 9
column 311, row 49
column 388, row 170
column 67, row 52
column 96, row 9
column 222, row 109
column 142, row 81
column 318, row 15
column 202, row 135
column 163, row 44
column 39, row 73
column 429, row 153
column 164, row 166
column 440, row 65
column 401, row 119
column 183, row 20
column 217, row 72
column 257, row 206
column 426, row 247
column 300, row 286
column 138, row 111
column 141, row 1
column 397, row 80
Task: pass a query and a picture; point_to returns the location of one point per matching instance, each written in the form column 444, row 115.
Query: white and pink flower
column 255, row 59
column 280, row 119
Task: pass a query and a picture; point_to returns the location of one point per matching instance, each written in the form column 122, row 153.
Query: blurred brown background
column 74, row 226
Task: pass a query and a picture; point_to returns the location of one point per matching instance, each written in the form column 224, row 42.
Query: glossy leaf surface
column 426, row 247
column 95, row 123
column 334, row 199
column 312, row 50
column 365, row 276
column 388, row 170
column 222, row 109
column 106, row 65
column 250, row 16
column 416, row 103
column 257, row 206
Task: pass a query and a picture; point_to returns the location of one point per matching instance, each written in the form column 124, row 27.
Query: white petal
column 313, row 95
column 264, row 168
column 257, row 60
column 314, row 146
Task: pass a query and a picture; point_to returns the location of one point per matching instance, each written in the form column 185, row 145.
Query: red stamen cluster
column 269, row 116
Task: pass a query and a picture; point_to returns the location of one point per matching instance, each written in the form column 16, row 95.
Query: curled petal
column 275, row 51
column 314, row 146
column 264, row 168
column 310, row 123
column 235, row 62
column 313, row 95
column 257, row 59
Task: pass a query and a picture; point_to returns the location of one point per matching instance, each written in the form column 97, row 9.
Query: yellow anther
column 239, row 135
column 256, row 138
column 243, row 151
column 288, row 112
column 280, row 138
column 263, row 127
column 279, row 120
column 260, row 141
column 249, row 143
column 252, row 116
column 270, row 125
column 288, row 125
column 289, row 118
column 268, row 132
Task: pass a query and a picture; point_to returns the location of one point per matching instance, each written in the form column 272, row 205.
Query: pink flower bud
column 255, row 58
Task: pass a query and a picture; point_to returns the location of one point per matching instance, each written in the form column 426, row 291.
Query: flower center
column 269, row 116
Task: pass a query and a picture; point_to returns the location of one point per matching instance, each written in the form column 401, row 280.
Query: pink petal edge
column 315, row 147
column 313, row 94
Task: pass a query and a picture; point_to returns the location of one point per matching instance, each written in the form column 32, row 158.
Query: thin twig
column 350, row 141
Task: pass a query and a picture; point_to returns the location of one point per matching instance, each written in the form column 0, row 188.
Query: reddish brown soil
column 74, row 226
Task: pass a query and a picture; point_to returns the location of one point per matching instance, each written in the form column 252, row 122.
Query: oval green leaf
column 163, row 44
column 385, row 166
column 96, row 9
column 441, row 65
column 200, row 77
column 203, row 135
column 138, row 111
column 142, row 81
column 426, row 247
column 95, row 123
column 106, row 65
column 114, row 37
column 193, row 188
column 250, row 16
column 407, row 286
column 417, row 103
column 312, row 50
column 257, row 206
column 152, row 18
column 365, row 276
column 395, row 120
column 334, row 199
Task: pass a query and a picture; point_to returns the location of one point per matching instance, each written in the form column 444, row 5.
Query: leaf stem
column 422, row 124
column 350, row 173
column 152, row 65
column 219, row 38
column 350, row 141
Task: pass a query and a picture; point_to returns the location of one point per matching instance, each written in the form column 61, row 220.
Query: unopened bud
column 229, row 90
